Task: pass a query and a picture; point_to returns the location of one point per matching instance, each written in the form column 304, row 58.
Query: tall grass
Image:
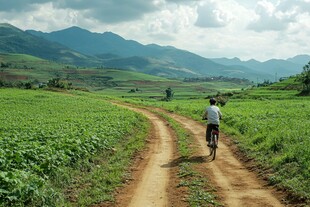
column 277, row 133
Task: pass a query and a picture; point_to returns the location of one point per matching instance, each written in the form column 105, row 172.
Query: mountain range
column 81, row 47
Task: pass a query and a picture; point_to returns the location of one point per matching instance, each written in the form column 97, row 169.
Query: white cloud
column 171, row 21
column 211, row 15
column 46, row 17
column 277, row 17
column 103, row 10
column 228, row 28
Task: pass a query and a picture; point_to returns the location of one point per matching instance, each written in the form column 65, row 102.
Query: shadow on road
column 193, row 159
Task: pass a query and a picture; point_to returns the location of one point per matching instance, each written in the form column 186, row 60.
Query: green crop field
column 286, row 89
column 44, row 133
column 277, row 133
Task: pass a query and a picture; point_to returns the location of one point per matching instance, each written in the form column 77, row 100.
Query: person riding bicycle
column 213, row 115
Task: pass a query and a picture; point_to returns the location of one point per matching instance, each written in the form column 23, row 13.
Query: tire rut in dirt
column 152, row 185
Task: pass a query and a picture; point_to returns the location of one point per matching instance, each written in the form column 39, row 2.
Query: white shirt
column 213, row 114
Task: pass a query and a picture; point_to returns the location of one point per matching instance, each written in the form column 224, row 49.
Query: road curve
column 151, row 185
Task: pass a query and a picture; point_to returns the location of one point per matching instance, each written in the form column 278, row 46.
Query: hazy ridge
column 81, row 47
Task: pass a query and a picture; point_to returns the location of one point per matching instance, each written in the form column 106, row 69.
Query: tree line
column 217, row 78
column 304, row 78
column 31, row 84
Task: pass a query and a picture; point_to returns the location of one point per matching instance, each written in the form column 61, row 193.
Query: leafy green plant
column 42, row 133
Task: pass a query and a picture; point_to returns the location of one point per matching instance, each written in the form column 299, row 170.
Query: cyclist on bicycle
column 213, row 115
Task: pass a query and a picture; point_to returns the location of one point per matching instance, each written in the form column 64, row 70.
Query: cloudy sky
column 262, row 29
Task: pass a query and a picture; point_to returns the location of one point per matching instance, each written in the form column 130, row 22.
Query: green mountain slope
column 113, row 51
column 166, row 61
column 98, row 43
column 17, row 68
column 14, row 40
column 21, row 67
column 110, row 44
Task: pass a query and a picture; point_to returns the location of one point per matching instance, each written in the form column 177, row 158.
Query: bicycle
column 213, row 143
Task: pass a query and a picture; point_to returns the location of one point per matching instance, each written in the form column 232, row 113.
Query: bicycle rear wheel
column 213, row 146
column 211, row 150
column 214, row 151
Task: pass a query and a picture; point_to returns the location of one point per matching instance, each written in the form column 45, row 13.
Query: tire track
column 151, row 186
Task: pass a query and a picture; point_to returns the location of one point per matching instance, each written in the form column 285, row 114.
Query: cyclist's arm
column 205, row 115
column 220, row 114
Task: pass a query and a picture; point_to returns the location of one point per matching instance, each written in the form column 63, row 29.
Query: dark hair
column 212, row 101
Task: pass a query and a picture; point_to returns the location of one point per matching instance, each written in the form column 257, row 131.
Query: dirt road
column 151, row 175
column 235, row 185
column 151, row 189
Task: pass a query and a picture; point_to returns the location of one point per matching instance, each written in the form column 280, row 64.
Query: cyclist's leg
column 216, row 128
column 208, row 133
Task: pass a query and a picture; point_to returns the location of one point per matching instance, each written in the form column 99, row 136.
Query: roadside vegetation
column 276, row 133
column 60, row 150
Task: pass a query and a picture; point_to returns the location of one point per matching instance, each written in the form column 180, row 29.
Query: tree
column 304, row 77
column 4, row 65
column 54, row 82
column 169, row 94
column 28, row 85
column 58, row 83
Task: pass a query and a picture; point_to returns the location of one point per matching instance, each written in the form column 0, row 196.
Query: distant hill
column 21, row 67
column 92, row 43
column 16, row 69
column 81, row 47
column 300, row 59
column 270, row 69
column 14, row 40
column 157, row 60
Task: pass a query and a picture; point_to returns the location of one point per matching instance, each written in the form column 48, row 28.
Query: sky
column 246, row 29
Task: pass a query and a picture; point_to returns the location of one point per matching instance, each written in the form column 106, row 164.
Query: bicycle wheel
column 211, row 150
column 214, row 145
